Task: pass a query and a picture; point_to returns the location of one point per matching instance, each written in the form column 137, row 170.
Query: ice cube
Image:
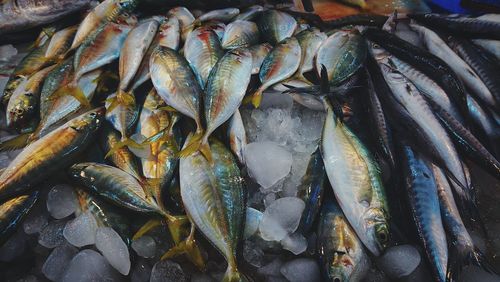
column 253, row 218
column 281, row 218
column 81, row 230
column 61, row 201
column 295, row 243
column 58, row 261
column 301, row 270
column 253, row 254
column 272, row 268
column 89, row 265
column 167, row 271
column 267, row 162
column 399, row 261
column 52, row 235
column 35, row 221
column 113, row 249
column 141, row 271
column 14, row 247
column 144, row 246
column 276, row 100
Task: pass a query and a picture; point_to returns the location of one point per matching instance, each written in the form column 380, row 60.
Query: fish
column 237, row 136
column 240, row 34
column 60, row 43
column 491, row 46
column 463, row 250
column 438, row 47
column 12, row 213
column 226, row 87
column 176, row 83
column 354, row 20
column 311, row 190
column 461, row 26
column 281, row 63
column 19, row 15
column 356, row 182
column 341, row 254
column 202, row 50
column 213, row 196
column 220, row 15
column 275, row 26
column 249, row 14
column 122, row 112
column 484, row 121
column 310, row 40
column 342, row 53
column 259, row 53
column 46, row 156
column 424, row 206
column 185, row 18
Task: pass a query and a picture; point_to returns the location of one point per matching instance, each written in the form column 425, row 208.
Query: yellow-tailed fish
column 356, row 183
column 275, row 26
column 249, row 14
column 225, row 90
column 48, row 155
column 202, row 50
column 342, row 53
column 259, row 53
column 176, row 83
column 213, row 196
column 61, row 75
column 13, row 211
column 106, row 11
column 237, row 136
column 281, row 63
column 240, row 34
column 309, row 40
column 185, row 18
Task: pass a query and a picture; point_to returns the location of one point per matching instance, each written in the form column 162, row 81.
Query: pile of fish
column 183, row 124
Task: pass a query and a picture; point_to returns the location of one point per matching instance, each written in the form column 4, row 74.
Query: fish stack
column 247, row 144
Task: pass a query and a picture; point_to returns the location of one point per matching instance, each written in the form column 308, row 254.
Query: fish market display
column 304, row 141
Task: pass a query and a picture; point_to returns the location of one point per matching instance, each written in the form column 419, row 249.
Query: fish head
column 77, row 171
column 89, row 121
column 22, row 110
column 376, row 224
column 127, row 5
column 342, row 263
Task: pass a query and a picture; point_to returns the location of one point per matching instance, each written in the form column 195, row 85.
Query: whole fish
column 259, row 53
column 438, row 47
column 202, row 50
column 310, row 40
column 237, row 136
column 341, row 254
column 342, row 53
column 425, row 210
column 107, row 11
column 226, row 87
column 274, row 26
column 249, row 13
column 240, row 34
column 18, row 15
column 213, row 197
column 12, row 213
column 48, row 155
column 185, row 18
column 356, row 183
column 176, row 83
column 281, row 63
column 311, row 191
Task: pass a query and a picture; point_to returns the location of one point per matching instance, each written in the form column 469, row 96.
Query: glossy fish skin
column 424, row 206
column 462, row 26
column 185, row 18
column 275, row 26
column 237, row 136
column 23, row 105
column 356, row 182
column 202, row 50
column 424, row 61
column 222, row 15
column 342, row 53
column 213, row 197
column 438, row 47
column 176, row 83
column 23, row 14
column 310, row 40
column 240, row 34
column 259, row 53
column 61, row 75
column 311, row 191
column 122, row 157
column 133, row 50
column 113, row 184
column 249, row 13
column 226, row 88
column 107, row 11
column 341, row 254
column 281, row 63
column 49, row 154
column 491, row 46
column 122, row 113
column 60, row 42
column 13, row 211
column 483, row 119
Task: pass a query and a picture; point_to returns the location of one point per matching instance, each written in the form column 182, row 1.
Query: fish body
column 310, row 40
column 240, row 34
column 341, row 253
column 122, row 112
column 237, row 136
column 259, row 53
column 185, row 18
column 222, row 15
column 13, row 211
column 49, row 154
column 61, row 75
column 249, row 13
column 356, row 183
column 274, row 26
column 60, row 43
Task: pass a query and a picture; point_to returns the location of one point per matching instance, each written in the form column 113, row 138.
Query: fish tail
column 125, row 142
column 461, row 256
column 192, row 146
column 205, row 149
column 72, row 90
column 233, row 275
column 255, row 98
column 18, row 142
column 149, row 225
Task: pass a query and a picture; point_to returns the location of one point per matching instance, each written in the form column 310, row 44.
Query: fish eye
column 337, row 279
column 383, row 236
column 93, row 115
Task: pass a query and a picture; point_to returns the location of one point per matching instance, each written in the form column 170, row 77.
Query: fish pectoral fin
column 15, row 143
column 168, row 109
column 73, row 91
column 193, row 145
column 148, row 226
column 126, row 142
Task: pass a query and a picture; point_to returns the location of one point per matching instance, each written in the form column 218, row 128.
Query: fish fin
column 257, row 98
column 324, row 82
column 168, row 109
column 174, row 223
column 460, row 257
column 233, row 275
column 205, row 150
column 126, row 142
column 149, row 225
column 15, row 143
column 73, row 91
column 193, row 145
column 190, row 248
